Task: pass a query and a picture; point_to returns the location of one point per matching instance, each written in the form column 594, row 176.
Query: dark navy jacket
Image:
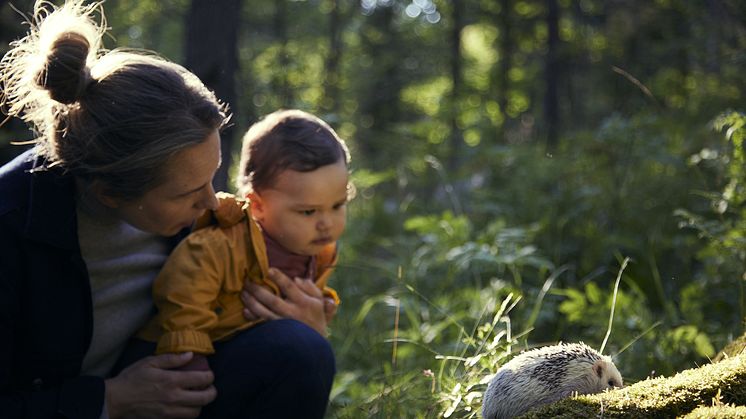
column 46, row 315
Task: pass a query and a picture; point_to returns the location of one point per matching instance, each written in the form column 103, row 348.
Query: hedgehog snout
column 607, row 375
column 611, row 376
column 612, row 384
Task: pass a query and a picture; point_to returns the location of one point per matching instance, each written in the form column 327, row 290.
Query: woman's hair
column 286, row 139
column 115, row 117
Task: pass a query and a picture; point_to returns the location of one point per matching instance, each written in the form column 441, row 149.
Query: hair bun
column 65, row 74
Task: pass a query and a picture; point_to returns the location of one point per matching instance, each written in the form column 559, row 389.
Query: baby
column 295, row 181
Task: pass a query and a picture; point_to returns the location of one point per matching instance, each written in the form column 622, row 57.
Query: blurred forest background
column 509, row 156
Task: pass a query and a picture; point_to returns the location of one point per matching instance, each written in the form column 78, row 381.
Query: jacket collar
column 51, row 214
column 42, row 199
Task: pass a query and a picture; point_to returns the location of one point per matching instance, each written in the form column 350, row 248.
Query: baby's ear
column 256, row 205
column 598, row 368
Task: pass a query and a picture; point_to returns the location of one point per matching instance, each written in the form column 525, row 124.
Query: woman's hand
column 303, row 301
column 150, row 388
column 330, row 309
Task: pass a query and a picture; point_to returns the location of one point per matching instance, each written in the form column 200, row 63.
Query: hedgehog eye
column 611, row 383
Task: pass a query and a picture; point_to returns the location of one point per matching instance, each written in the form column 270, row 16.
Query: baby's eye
column 307, row 212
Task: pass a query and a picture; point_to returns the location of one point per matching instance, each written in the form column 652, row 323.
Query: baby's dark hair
column 287, row 139
column 114, row 117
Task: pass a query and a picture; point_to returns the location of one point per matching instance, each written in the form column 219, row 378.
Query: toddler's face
column 304, row 211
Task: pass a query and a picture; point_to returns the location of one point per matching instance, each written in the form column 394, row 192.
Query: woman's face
column 186, row 193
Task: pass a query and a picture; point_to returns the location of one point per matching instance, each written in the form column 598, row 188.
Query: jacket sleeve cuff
column 185, row 341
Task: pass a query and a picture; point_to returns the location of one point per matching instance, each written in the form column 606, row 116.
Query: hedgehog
column 545, row 375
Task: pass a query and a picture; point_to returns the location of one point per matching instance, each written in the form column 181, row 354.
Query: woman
column 127, row 147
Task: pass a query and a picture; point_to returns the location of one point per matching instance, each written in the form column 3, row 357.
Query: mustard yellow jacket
column 198, row 290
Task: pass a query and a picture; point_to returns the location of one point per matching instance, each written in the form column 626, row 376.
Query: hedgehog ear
column 598, row 368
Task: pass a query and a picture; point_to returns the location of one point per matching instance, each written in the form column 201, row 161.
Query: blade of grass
column 613, row 303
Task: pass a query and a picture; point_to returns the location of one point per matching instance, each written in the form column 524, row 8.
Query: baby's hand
column 198, row 363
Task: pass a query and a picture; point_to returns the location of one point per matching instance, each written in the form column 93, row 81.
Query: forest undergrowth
column 436, row 298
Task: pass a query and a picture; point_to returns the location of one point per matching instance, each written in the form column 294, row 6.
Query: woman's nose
column 208, row 200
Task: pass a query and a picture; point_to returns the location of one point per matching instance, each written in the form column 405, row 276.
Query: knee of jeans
column 309, row 350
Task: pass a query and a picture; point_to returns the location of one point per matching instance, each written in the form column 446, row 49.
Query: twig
column 636, row 82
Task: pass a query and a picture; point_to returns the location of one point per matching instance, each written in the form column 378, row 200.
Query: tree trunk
column 211, row 54
column 457, row 80
column 282, row 85
column 551, row 76
column 712, row 45
column 379, row 90
column 331, row 80
column 505, row 49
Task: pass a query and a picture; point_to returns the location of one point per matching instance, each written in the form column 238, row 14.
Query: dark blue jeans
column 277, row 369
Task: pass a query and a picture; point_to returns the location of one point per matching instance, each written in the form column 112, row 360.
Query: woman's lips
column 188, row 225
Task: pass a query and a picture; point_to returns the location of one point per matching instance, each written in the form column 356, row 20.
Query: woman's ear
column 98, row 191
column 108, row 201
column 257, row 206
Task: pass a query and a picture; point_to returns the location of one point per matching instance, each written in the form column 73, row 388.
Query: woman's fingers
column 192, row 384
column 150, row 388
column 302, row 301
column 165, row 368
column 169, row 361
column 330, row 308
column 194, row 397
column 288, row 287
column 261, row 303
column 308, row 288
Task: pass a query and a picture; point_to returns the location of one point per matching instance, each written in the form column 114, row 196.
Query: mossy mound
column 715, row 412
column 734, row 348
column 659, row 397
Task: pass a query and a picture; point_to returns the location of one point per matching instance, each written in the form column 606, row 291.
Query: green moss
column 714, row 412
column 659, row 397
column 732, row 349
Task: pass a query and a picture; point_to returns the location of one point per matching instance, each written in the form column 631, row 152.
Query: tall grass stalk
column 396, row 324
column 613, row 303
column 544, row 289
